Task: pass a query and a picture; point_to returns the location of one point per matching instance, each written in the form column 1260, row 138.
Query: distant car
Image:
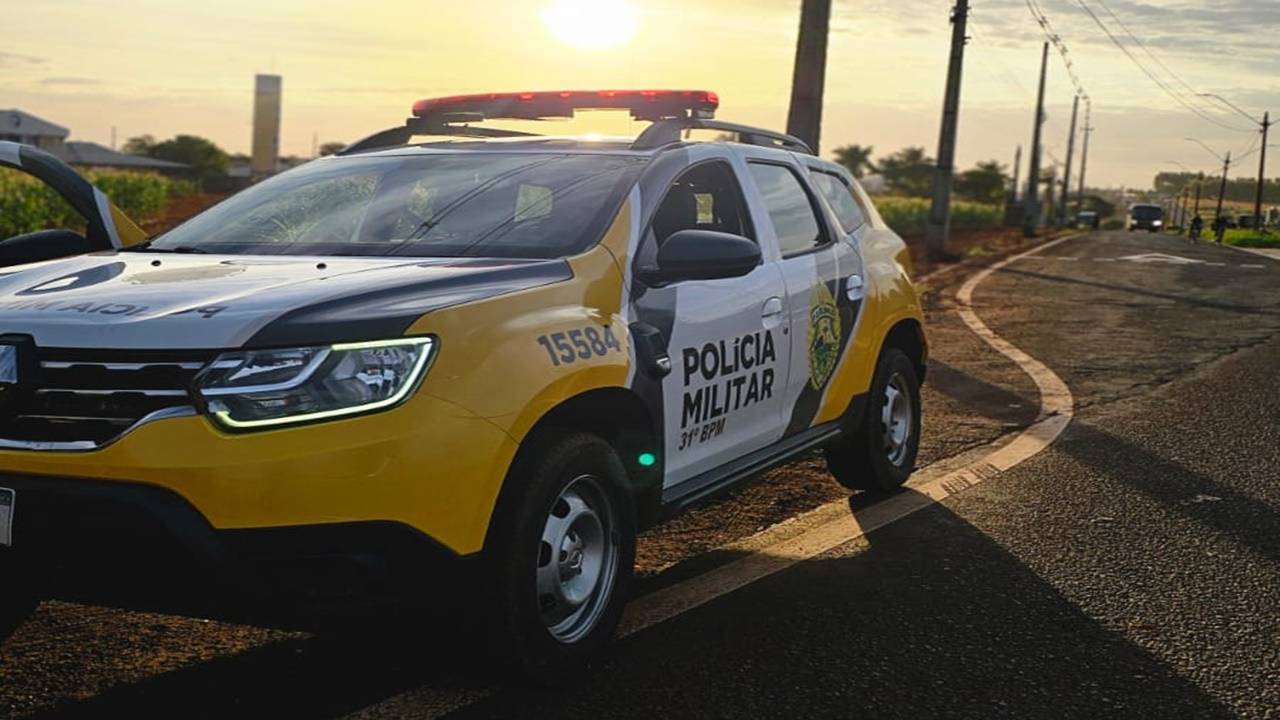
column 1088, row 219
column 1145, row 217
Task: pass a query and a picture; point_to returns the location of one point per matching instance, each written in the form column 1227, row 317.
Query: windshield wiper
column 180, row 250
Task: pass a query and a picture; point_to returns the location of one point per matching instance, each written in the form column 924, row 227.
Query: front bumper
column 428, row 465
column 146, row 547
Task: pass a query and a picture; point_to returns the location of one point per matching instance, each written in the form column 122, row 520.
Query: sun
column 591, row 24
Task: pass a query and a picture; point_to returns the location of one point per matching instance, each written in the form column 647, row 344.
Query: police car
column 475, row 366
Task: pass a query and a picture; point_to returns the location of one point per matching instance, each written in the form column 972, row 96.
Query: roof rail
column 401, row 135
column 667, row 132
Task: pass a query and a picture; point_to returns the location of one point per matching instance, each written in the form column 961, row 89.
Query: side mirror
column 43, row 245
column 705, row 255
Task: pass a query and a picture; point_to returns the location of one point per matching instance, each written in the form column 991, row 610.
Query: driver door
column 106, row 227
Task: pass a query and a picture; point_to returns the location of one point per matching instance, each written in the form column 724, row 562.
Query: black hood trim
column 389, row 312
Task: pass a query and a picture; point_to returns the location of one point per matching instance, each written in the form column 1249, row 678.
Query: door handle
column 772, row 308
column 853, row 287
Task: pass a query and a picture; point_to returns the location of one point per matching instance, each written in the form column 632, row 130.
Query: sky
column 164, row 67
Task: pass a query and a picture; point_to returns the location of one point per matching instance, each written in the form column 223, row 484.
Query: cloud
column 11, row 59
column 69, row 81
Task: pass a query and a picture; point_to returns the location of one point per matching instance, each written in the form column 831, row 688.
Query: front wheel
column 562, row 556
column 881, row 453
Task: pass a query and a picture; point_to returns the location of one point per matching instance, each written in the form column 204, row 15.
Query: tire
column 558, row 607
column 871, row 457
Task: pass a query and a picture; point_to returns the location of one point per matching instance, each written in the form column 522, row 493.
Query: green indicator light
column 647, row 459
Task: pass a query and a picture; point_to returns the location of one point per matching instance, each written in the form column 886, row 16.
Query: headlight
column 1156, row 223
column 264, row 388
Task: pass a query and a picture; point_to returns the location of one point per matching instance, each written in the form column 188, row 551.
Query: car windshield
column 475, row 204
column 1146, row 212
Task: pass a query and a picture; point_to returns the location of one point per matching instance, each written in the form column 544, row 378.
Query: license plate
column 7, row 498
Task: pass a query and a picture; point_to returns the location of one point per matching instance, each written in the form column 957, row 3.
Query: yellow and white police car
column 499, row 352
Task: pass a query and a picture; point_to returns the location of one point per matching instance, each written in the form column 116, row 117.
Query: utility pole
column 1199, row 180
column 1066, row 171
column 804, row 118
column 1222, row 190
column 1186, row 195
column 1084, row 154
column 1031, row 199
column 940, row 211
column 1262, row 173
column 1017, row 168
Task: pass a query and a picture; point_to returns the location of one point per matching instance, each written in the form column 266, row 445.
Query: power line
column 1043, row 20
column 1154, row 78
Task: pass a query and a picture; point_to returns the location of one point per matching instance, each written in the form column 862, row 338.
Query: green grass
column 28, row 205
column 1253, row 238
column 907, row 215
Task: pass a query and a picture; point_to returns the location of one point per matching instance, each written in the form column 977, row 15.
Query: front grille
column 91, row 397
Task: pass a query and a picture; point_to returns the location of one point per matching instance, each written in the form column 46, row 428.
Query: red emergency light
column 643, row 104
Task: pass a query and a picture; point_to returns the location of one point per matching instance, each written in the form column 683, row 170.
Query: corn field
column 911, row 215
column 28, row 205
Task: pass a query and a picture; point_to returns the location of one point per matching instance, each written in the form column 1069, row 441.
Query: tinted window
column 794, row 221
column 476, row 204
column 705, row 197
column 840, row 197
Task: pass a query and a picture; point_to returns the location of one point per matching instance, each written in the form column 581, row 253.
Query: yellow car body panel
column 428, row 464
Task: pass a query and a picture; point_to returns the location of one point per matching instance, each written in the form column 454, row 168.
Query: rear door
column 822, row 276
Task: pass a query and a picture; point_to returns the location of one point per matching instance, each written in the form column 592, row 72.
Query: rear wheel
column 881, row 453
column 562, row 553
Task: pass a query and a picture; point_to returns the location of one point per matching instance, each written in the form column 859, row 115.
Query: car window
column 839, row 196
column 705, row 197
column 475, row 204
column 794, row 220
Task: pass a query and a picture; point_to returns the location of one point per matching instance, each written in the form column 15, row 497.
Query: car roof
column 584, row 145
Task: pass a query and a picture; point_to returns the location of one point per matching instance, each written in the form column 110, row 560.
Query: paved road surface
column 1132, row 569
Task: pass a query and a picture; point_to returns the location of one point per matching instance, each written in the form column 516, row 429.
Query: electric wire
column 1153, row 76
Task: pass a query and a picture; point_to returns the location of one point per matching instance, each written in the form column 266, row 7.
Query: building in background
column 265, row 157
column 25, row 128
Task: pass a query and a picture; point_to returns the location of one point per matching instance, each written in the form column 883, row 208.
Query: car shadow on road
column 929, row 618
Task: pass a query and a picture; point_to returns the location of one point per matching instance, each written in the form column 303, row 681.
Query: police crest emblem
column 824, row 336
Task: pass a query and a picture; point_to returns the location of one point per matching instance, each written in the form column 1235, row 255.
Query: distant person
column 1197, row 226
column 1219, row 228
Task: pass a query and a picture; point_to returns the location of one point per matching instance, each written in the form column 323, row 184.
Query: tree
column 205, row 158
column 855, row 157
column 331, row 148
column 140, row 145
column 985, row 183
column 908, row 172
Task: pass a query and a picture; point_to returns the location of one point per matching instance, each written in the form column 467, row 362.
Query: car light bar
column 650, row 105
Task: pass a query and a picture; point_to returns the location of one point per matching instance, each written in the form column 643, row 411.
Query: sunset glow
column 591, row 24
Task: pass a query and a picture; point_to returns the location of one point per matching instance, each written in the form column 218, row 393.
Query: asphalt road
column 1132, row 569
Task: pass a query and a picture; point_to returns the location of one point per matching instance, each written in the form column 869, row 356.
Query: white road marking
column 1252, row 265
column 1104, row 259
column 1056, row 411
column 770, row 556
column 1160, row 258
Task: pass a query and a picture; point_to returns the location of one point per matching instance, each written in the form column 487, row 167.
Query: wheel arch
column 622, row 419
column 908, row 336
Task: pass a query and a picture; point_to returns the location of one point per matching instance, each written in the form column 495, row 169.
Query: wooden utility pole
column 1066, row 171
column 1084, row 154
column 1222, row 189
column 940, row 211
column 1017, row 168
column 1262, row 173
column 804, row 119
column 1031, row 199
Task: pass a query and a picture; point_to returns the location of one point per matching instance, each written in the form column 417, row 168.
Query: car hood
column 158, row 301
